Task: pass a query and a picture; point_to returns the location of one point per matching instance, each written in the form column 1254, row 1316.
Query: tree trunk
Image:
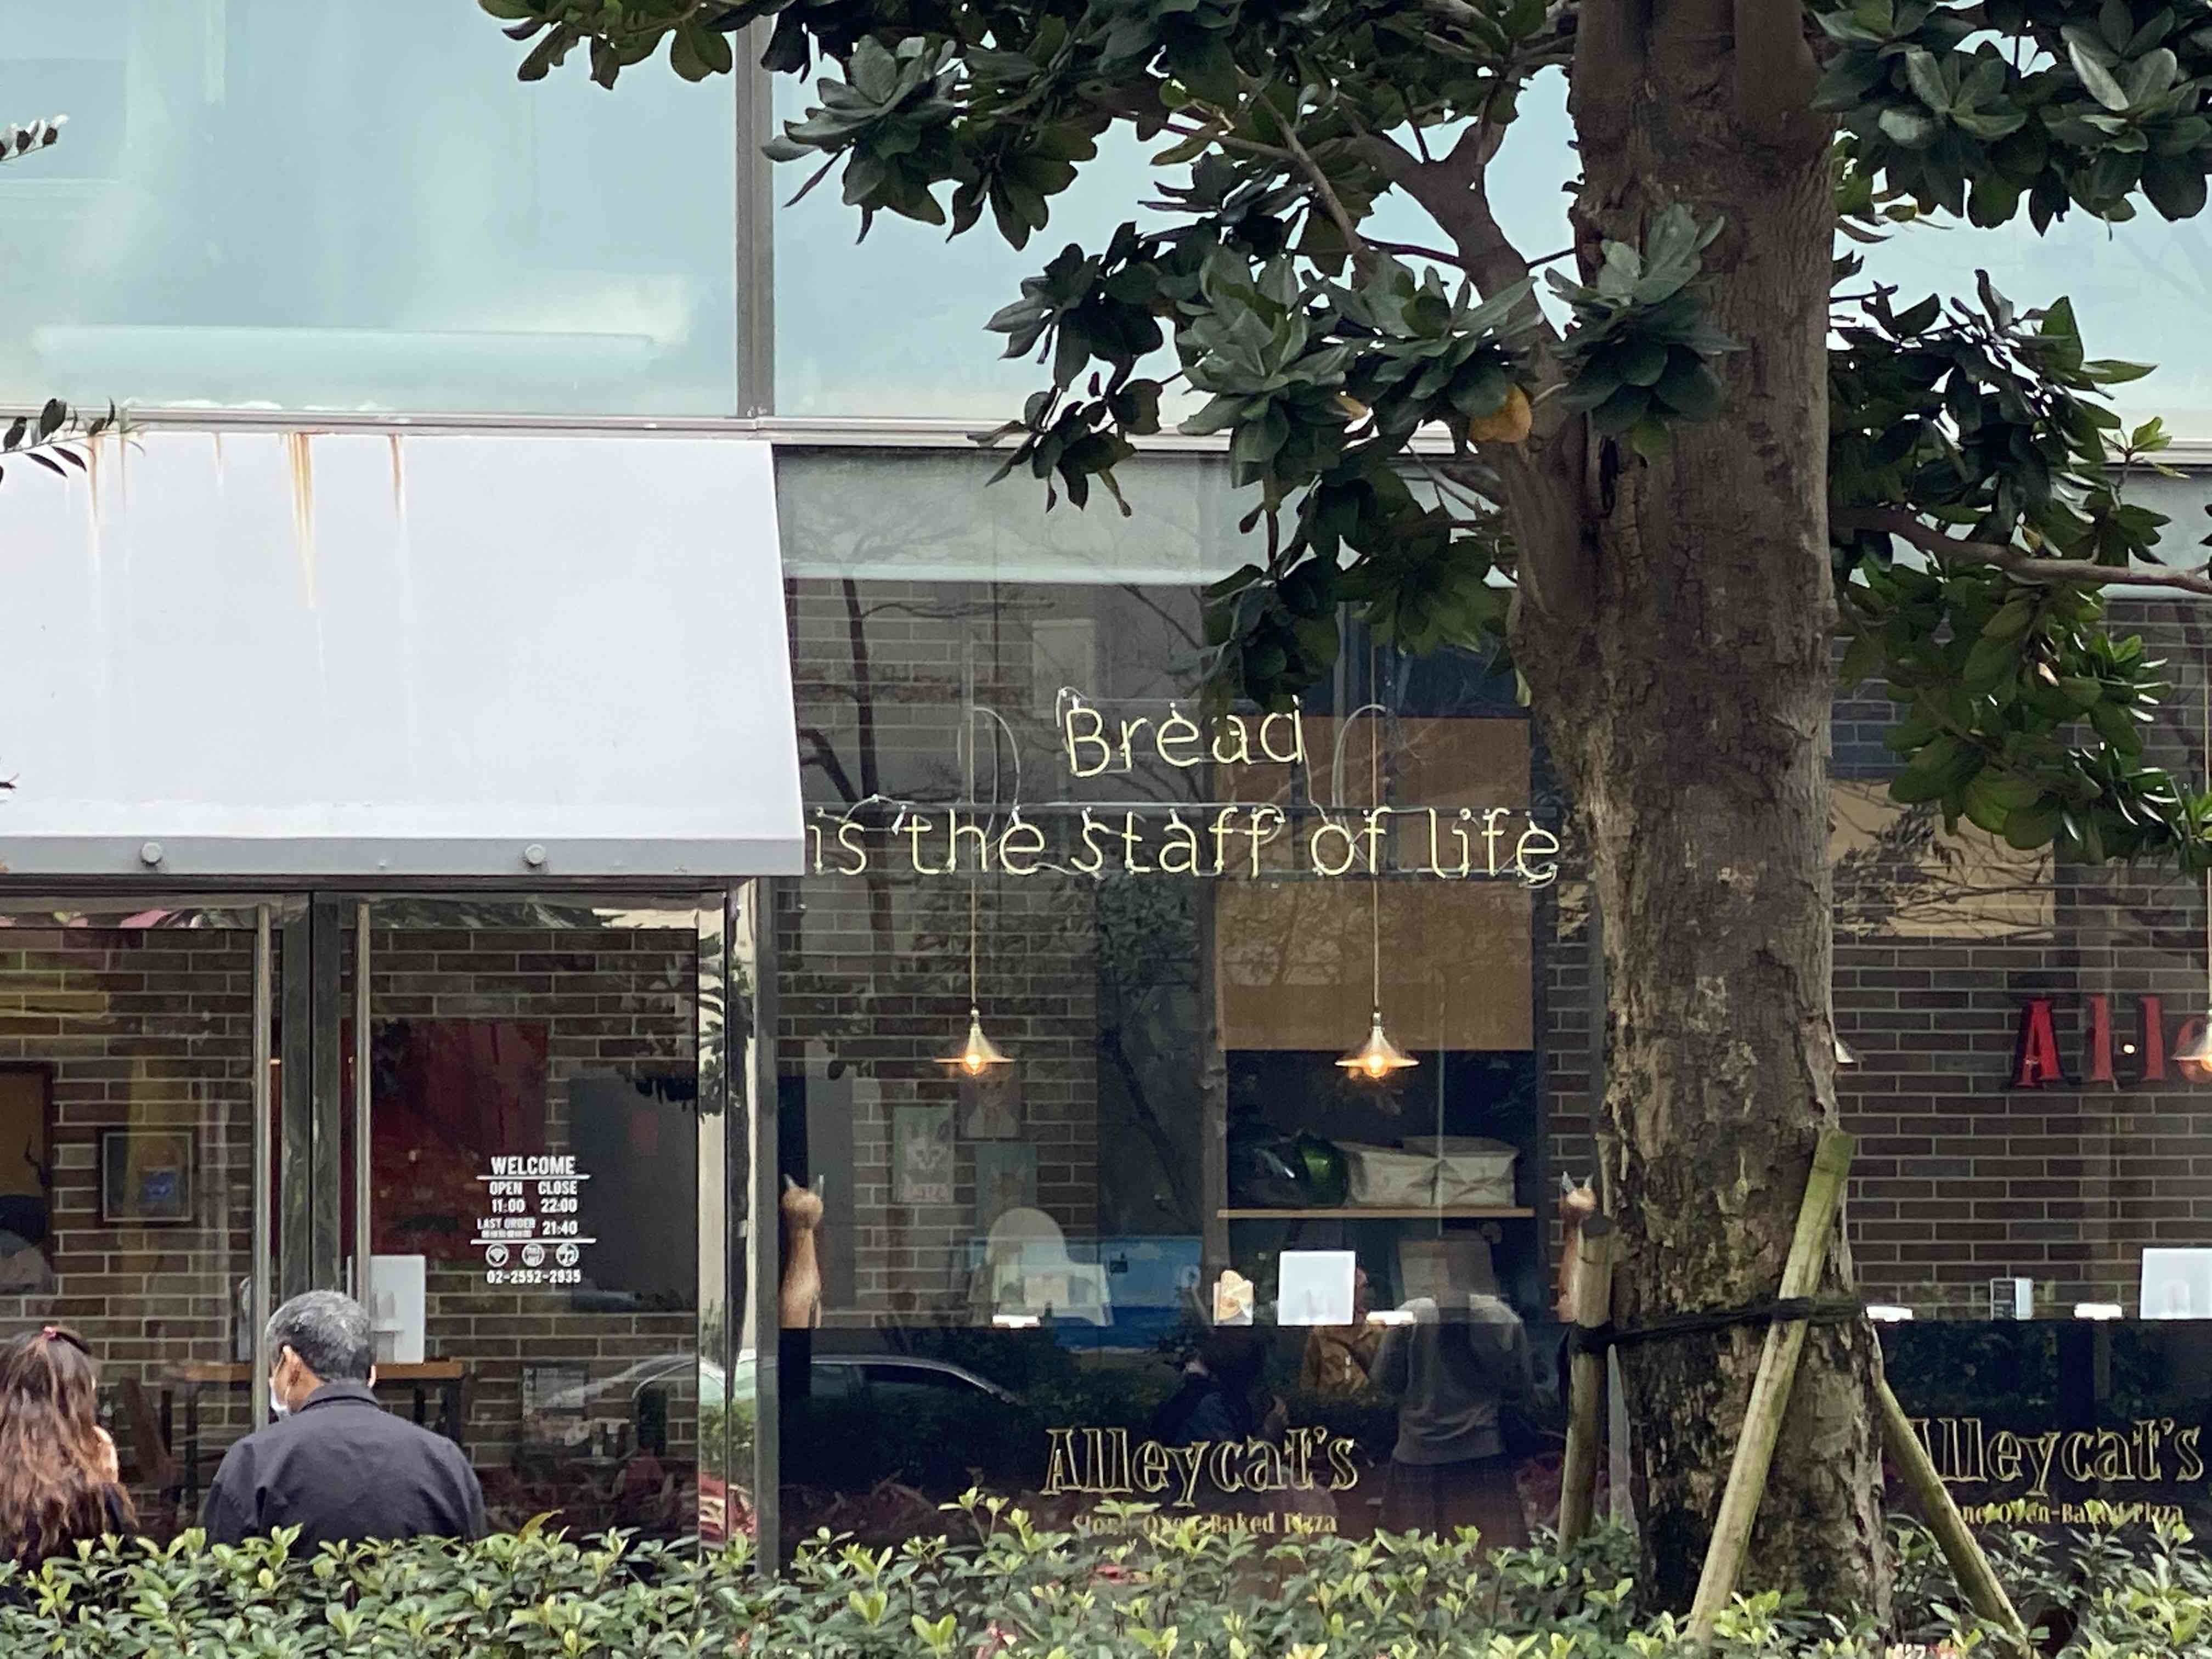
column 1688, row 710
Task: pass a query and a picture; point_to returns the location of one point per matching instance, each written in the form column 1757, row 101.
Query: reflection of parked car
column 603, row 1396
column 830, row 1376
column 849, row 1399
column 875, row 1377
column 926, row 1424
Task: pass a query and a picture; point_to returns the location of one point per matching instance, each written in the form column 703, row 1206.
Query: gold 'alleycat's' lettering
column 2150, row 1451
column 1106, row 1463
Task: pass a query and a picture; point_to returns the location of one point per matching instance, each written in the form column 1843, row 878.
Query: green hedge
column 1000, row 1589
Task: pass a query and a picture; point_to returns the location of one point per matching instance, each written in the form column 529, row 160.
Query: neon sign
column 1210, row 839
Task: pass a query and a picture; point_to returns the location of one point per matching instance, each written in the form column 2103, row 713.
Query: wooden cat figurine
column 1578, row 1203
column 801, row 1211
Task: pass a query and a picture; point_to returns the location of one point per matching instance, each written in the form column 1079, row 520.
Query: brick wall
column 874, row 973
column 1940, row 941
column 888, row 1014
column 1077, row 976
column 612, row 1003
column 147, row 1031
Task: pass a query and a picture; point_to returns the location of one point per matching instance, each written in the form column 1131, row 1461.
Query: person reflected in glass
column 1221, row 1397
column 1455, row 1370
column 1340, row 1359
column 58, row 1482
column 1225, row 1410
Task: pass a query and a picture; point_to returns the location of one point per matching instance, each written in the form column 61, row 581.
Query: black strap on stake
column 1596, row 1340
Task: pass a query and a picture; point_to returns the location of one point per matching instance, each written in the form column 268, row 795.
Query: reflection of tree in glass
column 1148, row 943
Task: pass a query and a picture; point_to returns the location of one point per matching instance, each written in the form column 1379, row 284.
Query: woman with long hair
column 57, row 1474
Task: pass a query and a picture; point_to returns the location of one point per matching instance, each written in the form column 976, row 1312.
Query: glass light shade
column 1378, row 1057
column 978, row 1054
column 2195, row 1055
column 1846, row 1057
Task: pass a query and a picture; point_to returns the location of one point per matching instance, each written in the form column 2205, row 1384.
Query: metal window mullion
column 323, row 1177
column 363, row 1168
column 291, row 1264
column 754, row 1170
column 755, row 226
column 264, row 1199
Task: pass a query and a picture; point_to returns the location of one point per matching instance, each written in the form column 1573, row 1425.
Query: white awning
column 372, row 658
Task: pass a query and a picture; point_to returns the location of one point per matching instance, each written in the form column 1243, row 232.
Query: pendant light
column 976, row 1053
column 1378, row 1057
column 2194, row 1057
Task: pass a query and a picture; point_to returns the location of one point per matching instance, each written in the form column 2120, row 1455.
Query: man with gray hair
column 335, row 1463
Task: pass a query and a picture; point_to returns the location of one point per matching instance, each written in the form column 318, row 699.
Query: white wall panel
column 288, row 654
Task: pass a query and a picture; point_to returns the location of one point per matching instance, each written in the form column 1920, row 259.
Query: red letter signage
column 2035, row 1062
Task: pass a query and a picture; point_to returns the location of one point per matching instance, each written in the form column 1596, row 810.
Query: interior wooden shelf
column 1349, row 1212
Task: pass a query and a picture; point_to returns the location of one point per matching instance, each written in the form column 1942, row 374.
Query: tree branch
column 1296, row 154
column 2017, row 561
column 1453, row 194
column 1543, row 480
column 1326, row 192
column 1415, row 251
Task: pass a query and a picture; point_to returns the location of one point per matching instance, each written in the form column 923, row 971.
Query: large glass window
column 895, row 325
column 1155, row 938
column 127, row 1096
column 2032, row 1206
column 180, row 1110
column 295, row 204
column 1170, row 1231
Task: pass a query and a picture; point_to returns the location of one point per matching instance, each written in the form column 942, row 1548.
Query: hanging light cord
column 1375, row 857
column 968, row 733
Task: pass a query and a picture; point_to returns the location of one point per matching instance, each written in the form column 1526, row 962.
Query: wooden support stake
column 1968, row 1565
column 1593, row 1302
column 1770, row 1389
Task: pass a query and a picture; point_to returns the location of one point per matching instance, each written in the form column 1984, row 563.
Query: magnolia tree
column 1701, row 468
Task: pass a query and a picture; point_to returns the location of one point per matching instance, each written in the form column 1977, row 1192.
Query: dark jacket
column 1201, row 1409
column 342, row 1469
column 1451, row 1376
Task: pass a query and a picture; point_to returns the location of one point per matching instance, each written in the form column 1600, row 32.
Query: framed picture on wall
column 921, row 1155
column 146, row 1177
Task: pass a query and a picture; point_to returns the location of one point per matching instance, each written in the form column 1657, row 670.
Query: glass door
column 525, row 1119
column 138, row 1138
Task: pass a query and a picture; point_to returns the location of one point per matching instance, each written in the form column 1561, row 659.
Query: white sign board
column 1316, row 1287
column 529, row 1230
column 2177, row 1284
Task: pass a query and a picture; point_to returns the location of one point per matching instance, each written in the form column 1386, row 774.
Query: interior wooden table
column 422, row 1376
